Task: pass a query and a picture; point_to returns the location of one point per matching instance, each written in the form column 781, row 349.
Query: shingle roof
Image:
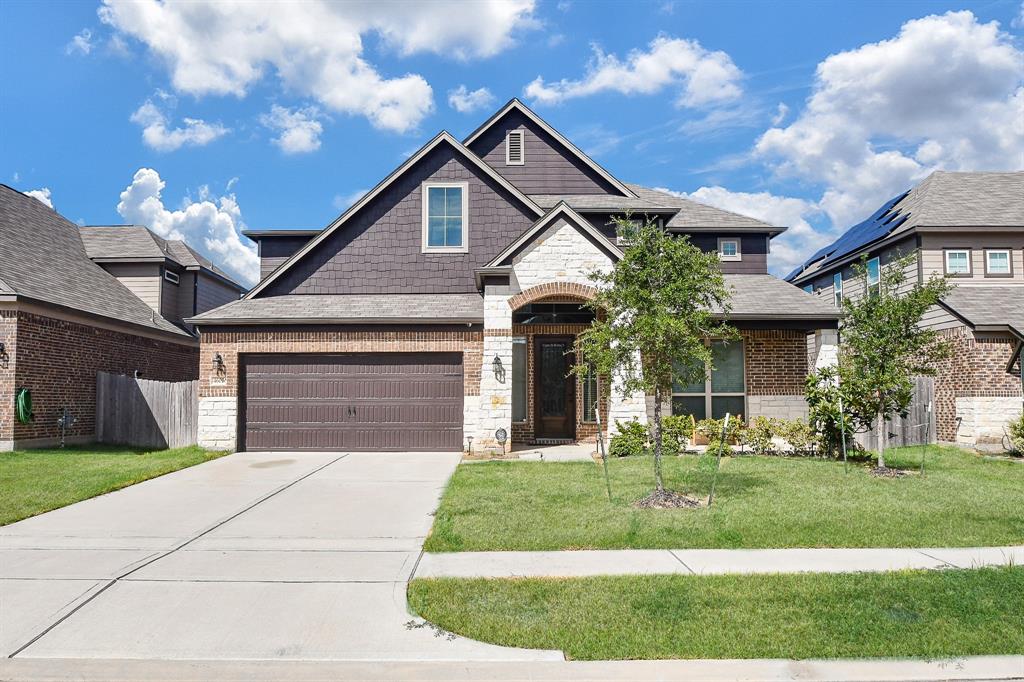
column 139, row 242
column 687, row 213
column 988, row 306
column 351, row 309
column 43, row 258
column 769, row 298
column 943, row 199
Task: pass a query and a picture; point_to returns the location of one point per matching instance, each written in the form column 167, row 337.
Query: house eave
column 276, row 321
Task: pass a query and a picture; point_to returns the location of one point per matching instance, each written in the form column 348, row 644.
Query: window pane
column 679, row 387
column 999, row 262
column 957, row 262
column 837, row 288
column 454, row 237
column 454, row 195
column 727, row 373
column 435, row 233
column 728, row 248
column 873, row 271
column 590, row 396
column 722, row 404
column 518, row 381
column 435, row 201
column 689, row 406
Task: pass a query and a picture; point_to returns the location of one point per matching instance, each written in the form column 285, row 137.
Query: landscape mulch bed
column 668, row 499
column 889, row 472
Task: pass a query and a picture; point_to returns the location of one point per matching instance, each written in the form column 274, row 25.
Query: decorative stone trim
column 542, row 291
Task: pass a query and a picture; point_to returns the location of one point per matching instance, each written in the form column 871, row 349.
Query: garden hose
column 23, row 405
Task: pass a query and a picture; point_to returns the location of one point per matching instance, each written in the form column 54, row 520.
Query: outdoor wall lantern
column 218, row 363
column 499, row 370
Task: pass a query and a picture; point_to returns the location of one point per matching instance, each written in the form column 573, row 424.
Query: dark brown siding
column 276, row 250
column 753, row 250
column 549, row 167
column 353, row 401
column 379, row 249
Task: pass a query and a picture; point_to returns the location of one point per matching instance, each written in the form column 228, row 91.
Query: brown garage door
column 353, row 401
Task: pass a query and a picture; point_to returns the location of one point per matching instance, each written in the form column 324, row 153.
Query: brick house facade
column 482, row 261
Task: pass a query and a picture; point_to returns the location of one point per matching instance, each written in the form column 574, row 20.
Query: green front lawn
column 931, row 614
column 36, row 481
column 963, row 500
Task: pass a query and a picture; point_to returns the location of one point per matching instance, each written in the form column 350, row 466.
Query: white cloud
column 156, row 134
column 464, row 101
column 1018, row 21
column 211, row 224
column 780, row 114
column 944, row 93
column 342, row 201
column 81, row 43
column 299, row 129
column 42, row 194
column 316, row 49
column 702, row 77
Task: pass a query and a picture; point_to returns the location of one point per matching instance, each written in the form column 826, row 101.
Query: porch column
column 624, row 406
column 826, row 348
column 492, row 409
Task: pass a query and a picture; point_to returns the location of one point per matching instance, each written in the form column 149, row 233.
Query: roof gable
column 562, row 210
column 488, row 138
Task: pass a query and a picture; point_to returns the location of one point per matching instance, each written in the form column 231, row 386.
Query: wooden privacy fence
column 144, row 413
column 918, row 428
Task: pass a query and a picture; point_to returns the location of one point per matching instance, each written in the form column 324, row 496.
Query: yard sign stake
column 842, row 436
column 718, row 461
column 600, row 441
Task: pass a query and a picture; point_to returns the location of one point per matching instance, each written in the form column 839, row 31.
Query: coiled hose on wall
column 23, row 405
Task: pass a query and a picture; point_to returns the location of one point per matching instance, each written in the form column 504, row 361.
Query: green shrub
column 801, row 437
column 711, row 429
column 676, row 432
column 1015, row 430
column 630, row 441
column 823, row 392
column 759, row 434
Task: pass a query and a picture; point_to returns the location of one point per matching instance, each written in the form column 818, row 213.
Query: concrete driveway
column 251, row 556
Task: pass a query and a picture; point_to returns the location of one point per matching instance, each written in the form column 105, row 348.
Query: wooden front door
column 554, row 388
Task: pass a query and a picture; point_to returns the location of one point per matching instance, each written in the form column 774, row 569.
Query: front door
column 554, row 388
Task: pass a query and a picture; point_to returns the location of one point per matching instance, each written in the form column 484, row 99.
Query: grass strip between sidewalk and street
column 927, row 614
column 37, row 481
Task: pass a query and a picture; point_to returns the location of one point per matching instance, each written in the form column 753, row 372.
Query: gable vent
column 514, row 155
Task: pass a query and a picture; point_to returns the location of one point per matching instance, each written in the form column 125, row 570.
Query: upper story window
column 729, row 249
column 837, row 289
column 515, row 148
column 998, row 262
column 874, row 277
column 958, row 262
column 171, row 277
column 809, row 288
column 445, row 217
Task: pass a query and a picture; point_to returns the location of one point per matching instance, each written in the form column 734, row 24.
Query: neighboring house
column 168, row 274
column 443, row 306
column 62, row 320
column 969, row 226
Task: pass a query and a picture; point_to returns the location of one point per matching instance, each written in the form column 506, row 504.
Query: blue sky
column 199, row 119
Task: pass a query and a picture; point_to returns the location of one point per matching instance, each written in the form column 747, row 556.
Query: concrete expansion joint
column 161, row 555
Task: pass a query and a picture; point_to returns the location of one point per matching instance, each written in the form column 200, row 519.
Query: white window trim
column 867, row 275
column 172, row 277
column 970, row 265
column 738, row 256
column 1009, row 262
column 708, row 393
column 465, row 218
column 837, row 289
column 522, row 148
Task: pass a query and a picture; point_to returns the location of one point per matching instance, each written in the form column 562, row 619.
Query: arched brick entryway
column 550, row 289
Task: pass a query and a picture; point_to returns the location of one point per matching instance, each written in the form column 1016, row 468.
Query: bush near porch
column 37, row 481
column 962, row 500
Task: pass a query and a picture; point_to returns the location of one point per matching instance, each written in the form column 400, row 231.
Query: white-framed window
column 958, row 261
column 837, row 289
column 998, row 262
column 519, row 394
column 445, row 217
column 723, row 389
column 729, row 249
column 515, row 148
column 171, row 277
column 874, row 277
column 809, row 288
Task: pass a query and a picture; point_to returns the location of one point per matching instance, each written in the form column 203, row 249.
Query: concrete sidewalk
column 574, row 564
column 754, row 670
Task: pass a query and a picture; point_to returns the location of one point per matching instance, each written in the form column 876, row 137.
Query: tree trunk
column 881, row 438
column 658, row 483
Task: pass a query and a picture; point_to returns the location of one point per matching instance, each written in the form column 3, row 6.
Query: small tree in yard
column 883, row 347
column 656, row 308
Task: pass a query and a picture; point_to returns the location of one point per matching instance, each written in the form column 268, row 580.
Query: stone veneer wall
column 218, row 393
column 974, row 395
column 58, row 360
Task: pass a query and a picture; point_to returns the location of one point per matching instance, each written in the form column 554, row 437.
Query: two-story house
column 167, row 274
column 442, row 308
column 970, row 227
